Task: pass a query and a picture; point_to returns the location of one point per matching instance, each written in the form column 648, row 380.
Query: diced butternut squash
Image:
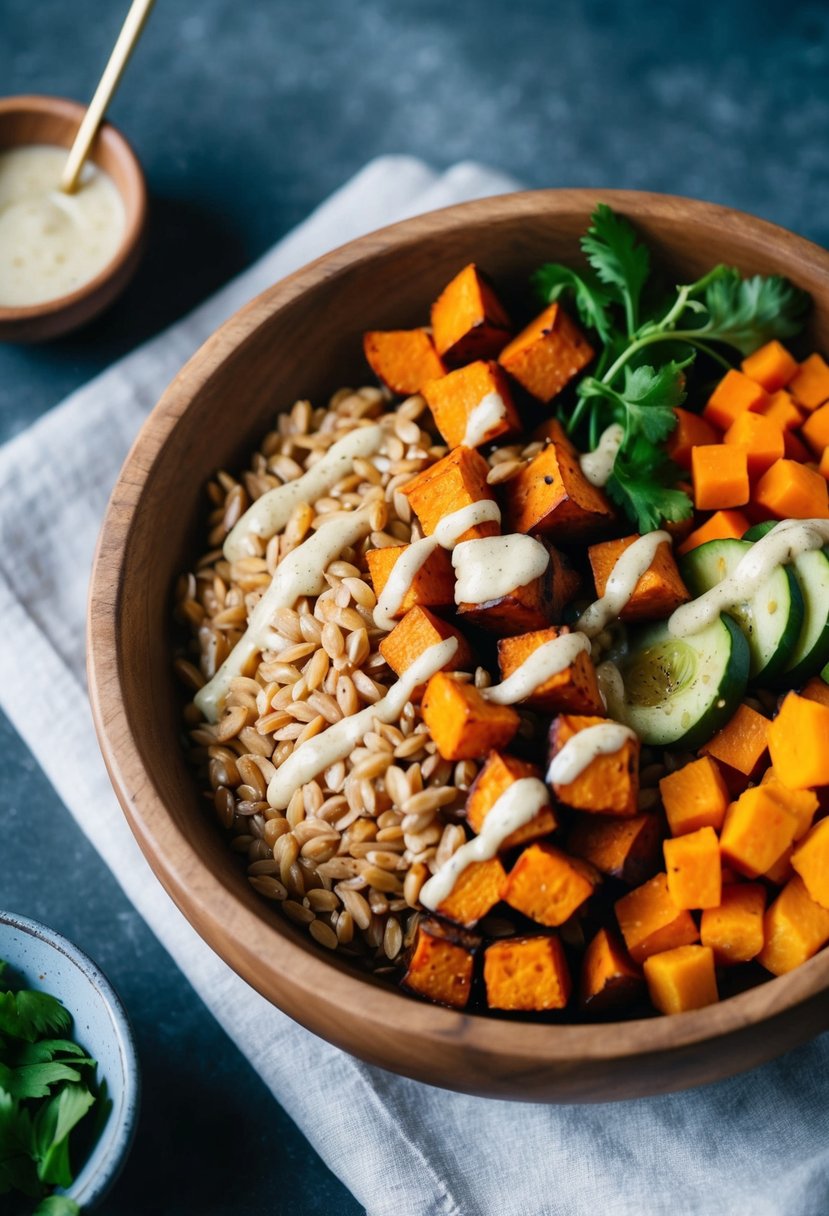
column 795, row 449
column 823, row 467
column 781, row 409
column 473, row 405
column 782, row 870
column 722, row 525
column 651, row 922
column 811, row 861
column 734, row 394
column 771, row 365
column 694, row 796
column 658, row 592
column 497, row 775
column 415, row 633
column 798, row 739
column 403, row 359
column 682, row 979
column 573, row 690
column 609, row 784
column 795, row 928
column 720, row 475
column 816, row 430
column 692, row 863
column 628, row 849
column 462, row 723
column 761, row 437
column 552, row 495
column 803, row 804
column 547, row 885
column 526, row 973
column 533, row 605
column 758, row 828
column 691, row 431
column 734, row 930
column 454, row 482
column 742, row 742
column 791, row 490
column 816, row 689
column 609, row 978
column 432, row 587
column 810, row 384
column 546, row 355
column 476, row 890
column 441, row 964
column 468, row 319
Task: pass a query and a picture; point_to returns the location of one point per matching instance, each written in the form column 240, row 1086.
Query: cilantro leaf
column 28, row 1014
column 642, row 483
column 57, row 1205
column 53, row 1123
column 745, row 313
column 620, row 261
column 552, row 281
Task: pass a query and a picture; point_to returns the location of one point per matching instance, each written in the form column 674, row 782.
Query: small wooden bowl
column 301, row 338
column 54, row 120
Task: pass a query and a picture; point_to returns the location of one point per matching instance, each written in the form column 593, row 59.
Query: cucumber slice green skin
column 811, row 651
column 771, row 638
column 709, row 673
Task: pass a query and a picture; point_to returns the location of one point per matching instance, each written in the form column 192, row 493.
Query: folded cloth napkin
column 755, row 1144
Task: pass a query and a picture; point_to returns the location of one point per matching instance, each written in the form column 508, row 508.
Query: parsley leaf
column 745, row 313
column 642, row 483
column 620, row 261
column 29, row 1014
column 35, row 1080
column 552, row 281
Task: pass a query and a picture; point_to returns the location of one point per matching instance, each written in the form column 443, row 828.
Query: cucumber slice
column 771, row 620
column 678, row 692
column 811, row 650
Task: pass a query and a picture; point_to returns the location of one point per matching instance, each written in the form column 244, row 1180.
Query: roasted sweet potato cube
column 658, row 592
column 797, row 741
column 547, row 885
column 734, row 394
column 694, row 796
column 573, row 690
column 692, row 863
column 403, row 359
column 690, row 431
column 462, row 723
column 497, row 775
column 609, row 977
column 758, row 827
column 476, row 890
column 432, row 587
column 681, row 979
column 546, row 355
column 552, row 495
column 415, row 633
column 810, row 384
column 734, row 930
column 816, row 689
column 628, row 849
column 771, row 365
column 441, row 964
column 455, row 482
column 468, row 319
column 610, row 784
column 529, row 606
column 742, row 743
column 811, row 861
column 651, row 922
column 473, row 405
column 803, row 804
column 795, row 928
column 526, row 973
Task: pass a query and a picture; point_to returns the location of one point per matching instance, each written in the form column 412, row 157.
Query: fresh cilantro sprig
column 647, row 352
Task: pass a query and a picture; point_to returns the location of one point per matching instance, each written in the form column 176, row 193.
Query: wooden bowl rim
column 207, row 902
column 134, row 200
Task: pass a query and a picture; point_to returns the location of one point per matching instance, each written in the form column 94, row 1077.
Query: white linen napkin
column 756, row 1144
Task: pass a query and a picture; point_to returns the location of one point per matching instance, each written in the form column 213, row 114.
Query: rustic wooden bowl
column 53, row 120
column 302, row 338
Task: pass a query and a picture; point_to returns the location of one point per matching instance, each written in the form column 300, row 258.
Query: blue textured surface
column 245, row 116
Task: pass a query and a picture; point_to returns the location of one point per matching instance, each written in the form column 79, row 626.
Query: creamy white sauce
column 584, row 747
column 300, row 573
column 272, row 511
column 403, row 573
column 517, row 806
column 547, row 661
column 598, row 464
column 784, row 543
column 624, row 576
column 335, row 743
column 484, row 419
column 52, row 243
column 489, row 568
column 452, row 527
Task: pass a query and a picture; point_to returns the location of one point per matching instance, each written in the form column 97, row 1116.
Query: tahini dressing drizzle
column 484, row 418
column 598, row 464
column 487, row 569
column 547, row 661
column 579, row 751
column 621, row 585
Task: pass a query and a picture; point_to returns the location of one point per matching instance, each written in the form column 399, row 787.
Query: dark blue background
column 246, row 115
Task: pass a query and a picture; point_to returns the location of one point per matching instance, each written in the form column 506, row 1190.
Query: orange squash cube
column 476, row 890
column 734, row 930
column 798, row 743
column 682, row 979
column 610, row 784
column 548, row 886
column 441, row 964
column 722, row 525
column 526, row 973
column 432, row 587
column 795, row 928
column 734, row 394
column 651, row 922
column 628, row 849
column 415, row 633
column 823, row 467
column 694, row 796
column 791, row 490
column 758, row 828
column 720, row 475
column 742, row 743
column 497, row 775
column 816, row 430
column 454, row 482
column 782, row 410
column 761, row 437
column 473, row 405
column 468, row 319
column 771, row 365
column 552, row 495
column 782, row 870
column 574, row 690
column 795, row 449
column 803, row 804
column 816, row 689
column 691, row 431
column 402, row 359
column 462, row 723
column 810, row 384
column 547, row 355
column 692, row 863
column 811, row 861
column 609, row 978
column 533, row 605
column 657, row 593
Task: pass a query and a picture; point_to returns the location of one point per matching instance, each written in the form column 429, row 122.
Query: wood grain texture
column 301, row 338
column 53, row 120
